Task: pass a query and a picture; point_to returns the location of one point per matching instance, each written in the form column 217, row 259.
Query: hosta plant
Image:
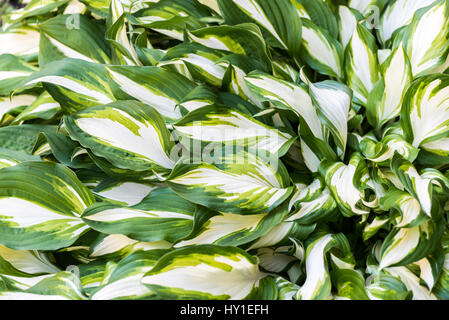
column 224, row 149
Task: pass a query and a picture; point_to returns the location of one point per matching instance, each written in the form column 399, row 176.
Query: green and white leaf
column 372, row 228
column 125, row 280
column 223, row 226
column 364, row 6
column 13, row 71
column 386, row 98
column 25, row 263
column 341, row 179
column 425, row 112
column 118, row 37
column 317, row 209
column 411, row 213
column 383, row 286
column 243, row 39
column 118, row 245
column 42, row 212
column 162, row 215
column 383, row 151
column 44, row 107
column 282, row 234
column 412, row 283
column 129, row 134
column 60, row 286
column 126, row 193
column 333, row 102
column 347, row 25
column 425, row 38
column 318, row 283
column 286, row 95
column 9, row 158
column 228, row 229
column 8, row 104
column 201, row 61
column 156, row 87
column 84, row 42
column 323, row 53
column 280, row 19
column 418, row 186
column 22, row 42
column 430, row 269
column 406, row 245
column 361, row 64
column 398, row 14
column 286, row 289
column 34, row 8
column 171, row 18
column 205, row 271
column 74, row 83
column 276, row 260
column 243, row 183
column 223, row 125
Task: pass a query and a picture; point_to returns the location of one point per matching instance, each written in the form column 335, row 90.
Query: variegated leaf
column 386, row 98
column 425, row 38
column 22, row 42
column 348, row 25
column 410, row 209
column 129, row 134
column 171, row 17
column 228, row 229
column 85, row 42
column 60, row 286
column 333, row 101
column 118, row 37
column 25, row 263
column 323, row 53
column 13, row 71
column 9, row 158
column 162, row 215
column 201, row 61
column 280, row 19
column 242, row 39
column 364, row 6
column 318, row 208
column 126, row 193
column 158, row 88
column 361, row 64
column 8, row 104
column 118, row 245
column 124, row 282
column 412, row 283
column 226, row 273
column 42, row 212
column 34, row 8
column 318, row 283
column 382, row 152
column 407, row 245
column 286, row 95
column 43, row 107
column 223, row 125
column 74, row 83
column 241, row 183
column 425, row 113
column 398, row 14
column 342, row 182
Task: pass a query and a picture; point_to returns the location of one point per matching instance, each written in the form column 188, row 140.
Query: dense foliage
column 224, row 149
